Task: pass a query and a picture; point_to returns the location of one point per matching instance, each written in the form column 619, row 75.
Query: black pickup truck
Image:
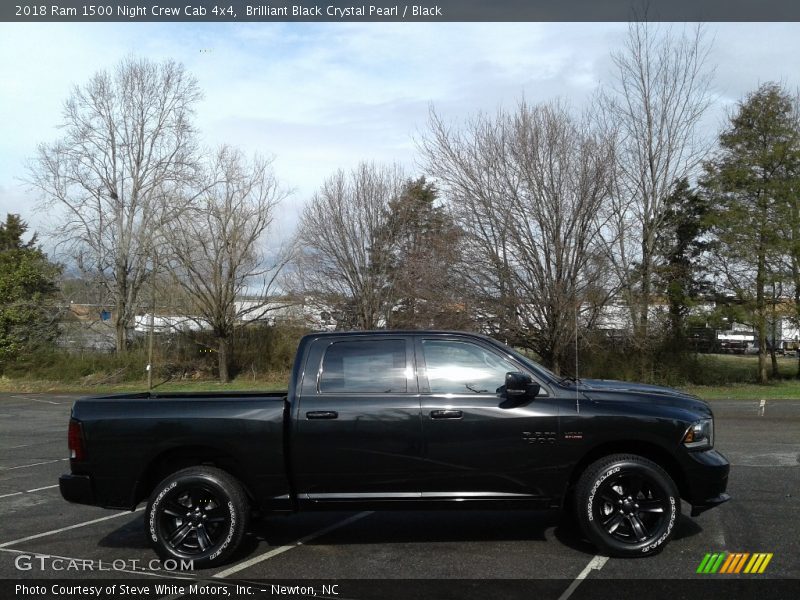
column 398, row 420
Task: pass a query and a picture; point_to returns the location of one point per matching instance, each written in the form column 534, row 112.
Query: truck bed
column 134, row 438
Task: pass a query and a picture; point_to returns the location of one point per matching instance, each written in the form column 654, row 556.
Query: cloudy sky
column 324, row 96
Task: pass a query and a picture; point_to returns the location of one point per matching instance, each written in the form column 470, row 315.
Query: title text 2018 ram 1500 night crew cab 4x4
column 397, row 420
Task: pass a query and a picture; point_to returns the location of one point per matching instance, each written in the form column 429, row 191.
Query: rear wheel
column 627, row 505
column 197, row 515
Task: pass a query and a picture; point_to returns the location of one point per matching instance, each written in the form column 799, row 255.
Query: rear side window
column 364, row 366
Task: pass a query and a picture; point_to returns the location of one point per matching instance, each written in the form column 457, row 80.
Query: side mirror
column 520, row 386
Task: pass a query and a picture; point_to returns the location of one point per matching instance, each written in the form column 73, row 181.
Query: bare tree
column 528, row 188
column 216, row 248
column 128, row 145
column 343, row 261
column 660, row 93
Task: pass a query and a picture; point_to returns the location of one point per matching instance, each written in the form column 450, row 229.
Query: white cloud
column 324, row 96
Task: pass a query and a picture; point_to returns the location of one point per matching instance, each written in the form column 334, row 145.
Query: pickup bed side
column 138, row 439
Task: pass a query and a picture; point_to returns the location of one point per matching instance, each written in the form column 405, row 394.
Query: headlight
column 700, row 434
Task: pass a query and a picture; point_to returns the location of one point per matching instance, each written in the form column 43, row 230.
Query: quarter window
column 376, row 366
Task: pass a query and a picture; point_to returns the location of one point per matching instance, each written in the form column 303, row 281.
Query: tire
column 198, row 514
column 627, row 505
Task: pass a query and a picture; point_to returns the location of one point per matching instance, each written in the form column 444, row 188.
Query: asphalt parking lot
column 40, row 533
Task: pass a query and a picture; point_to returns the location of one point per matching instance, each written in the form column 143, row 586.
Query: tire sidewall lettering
column 154, row 510
column 593, row 491
column 231, row 529
column 672, row 518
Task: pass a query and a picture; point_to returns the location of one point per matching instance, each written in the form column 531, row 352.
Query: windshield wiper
column 570, row 378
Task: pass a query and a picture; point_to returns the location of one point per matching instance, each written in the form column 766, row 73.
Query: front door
column 478, row 444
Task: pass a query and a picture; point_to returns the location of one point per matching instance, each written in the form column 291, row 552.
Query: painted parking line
column 35, row 399
column 39, row 489
column 280, row 550
column 76, row 526
column 45, row 462
column 47, row 487
column 594, row 565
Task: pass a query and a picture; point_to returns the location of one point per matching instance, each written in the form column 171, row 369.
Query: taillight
column 77, row 450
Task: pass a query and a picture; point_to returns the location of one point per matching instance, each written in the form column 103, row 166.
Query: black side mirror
column 520, row 386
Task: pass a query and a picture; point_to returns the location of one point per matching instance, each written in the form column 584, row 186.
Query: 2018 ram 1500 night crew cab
column 392, row 420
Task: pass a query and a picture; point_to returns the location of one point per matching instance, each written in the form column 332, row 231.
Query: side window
column 363, row 366
column 463, row 368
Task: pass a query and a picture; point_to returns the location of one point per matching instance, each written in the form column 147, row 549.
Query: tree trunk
column 774, row 359
column 120, row 330
column 797, row 352
column 796, row 270
column 797, row 311
column 555, row 365
column 645, row 299
column 761, row 305
column 643, row 333
column 762, row 338
column 223, row 357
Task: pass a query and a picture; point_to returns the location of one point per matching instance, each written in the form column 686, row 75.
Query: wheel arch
column 649, row 450
column 180, row 457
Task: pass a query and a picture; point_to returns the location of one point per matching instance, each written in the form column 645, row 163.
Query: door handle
column 446, row 414
column 322, row 414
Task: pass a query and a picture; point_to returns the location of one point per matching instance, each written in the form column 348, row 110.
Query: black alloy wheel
column 197, row 517
column 627, row 505
column 630, row 508
column 193, row 520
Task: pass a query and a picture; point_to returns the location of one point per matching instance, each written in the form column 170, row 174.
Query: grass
column 738, row 368
column 780, row 390
column 733, row 377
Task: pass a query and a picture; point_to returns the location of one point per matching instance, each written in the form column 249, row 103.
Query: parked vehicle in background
column 397, row 420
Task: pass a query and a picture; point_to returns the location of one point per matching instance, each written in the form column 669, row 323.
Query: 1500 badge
column 539, row 437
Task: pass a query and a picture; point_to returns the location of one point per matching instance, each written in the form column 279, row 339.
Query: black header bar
column 389, row 11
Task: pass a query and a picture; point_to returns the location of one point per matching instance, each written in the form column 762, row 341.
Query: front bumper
column 76, row 488
column 706, row 480
column 709, row 503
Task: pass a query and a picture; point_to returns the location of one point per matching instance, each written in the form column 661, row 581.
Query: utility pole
column 152, row 323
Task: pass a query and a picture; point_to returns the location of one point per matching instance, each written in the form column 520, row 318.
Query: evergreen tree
column 422, row 242
column 749, row 183
column 27, row 290
column 681, row 243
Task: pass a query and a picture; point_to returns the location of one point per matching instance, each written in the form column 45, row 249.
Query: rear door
column 477, row 443
column 358, row 430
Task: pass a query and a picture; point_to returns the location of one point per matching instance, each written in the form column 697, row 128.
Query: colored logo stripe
column 711, row 562
column 735, row 562
column 730, row 563
column 758, row 563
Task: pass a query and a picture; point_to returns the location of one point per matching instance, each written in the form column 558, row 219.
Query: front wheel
column 197, row 517
column 627, row 505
